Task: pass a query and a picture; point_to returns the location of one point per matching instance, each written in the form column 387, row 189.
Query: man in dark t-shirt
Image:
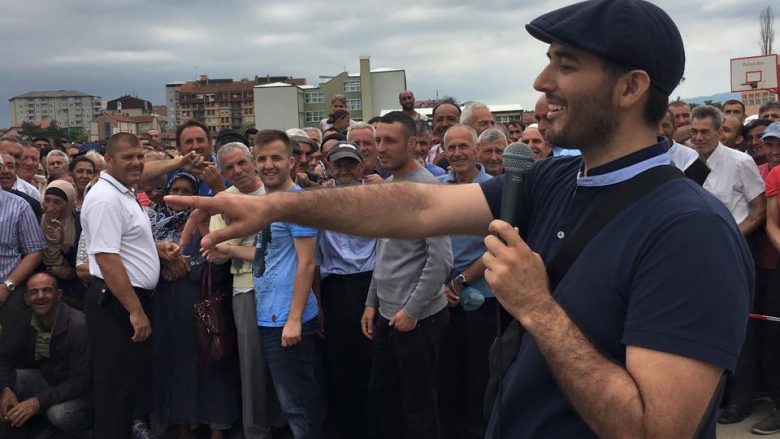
column 638, row 333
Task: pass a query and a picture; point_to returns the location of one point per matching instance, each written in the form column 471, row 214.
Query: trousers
column 121, row 369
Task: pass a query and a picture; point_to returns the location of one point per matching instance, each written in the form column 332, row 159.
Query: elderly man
column 533, row 138
column 44, row 365
column 56, row 164
column 346, row 265
column 478, row 116
column 13, row 147
column 21, row 250
column 734, row 178
column 490, row 151
column 260, row 408
column 540, row 114
column 463, row 373
column 363, row 136
column 602, row 355
column 29, row 165
column 8, row 178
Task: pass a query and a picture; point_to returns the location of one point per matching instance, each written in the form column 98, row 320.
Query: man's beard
column 592, row 123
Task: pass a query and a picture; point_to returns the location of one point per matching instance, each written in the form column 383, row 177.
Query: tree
column 767, row 28
column 30, row 130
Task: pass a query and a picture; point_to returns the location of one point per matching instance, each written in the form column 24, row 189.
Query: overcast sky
column 466, row 49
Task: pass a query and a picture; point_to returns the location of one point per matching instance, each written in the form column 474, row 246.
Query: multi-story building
column 754, row 99
column 70, row 109
column 219, row 103
column 129, row 106
column 283, row 105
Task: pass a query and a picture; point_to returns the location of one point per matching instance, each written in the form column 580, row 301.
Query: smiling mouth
column 555, row 108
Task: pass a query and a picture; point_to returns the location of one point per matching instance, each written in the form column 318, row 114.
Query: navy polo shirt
column 670, row 273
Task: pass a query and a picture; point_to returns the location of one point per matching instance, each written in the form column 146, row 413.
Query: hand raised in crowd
column 141, row 326
column 291, row 333
column 167, row 250
column 367, row 322
column 193, row 163
column 54, row 229
column 245, row 216
column 402, row 322
column 7, row 402
column 175, row 269
column 213, row 178
column 515, row 273
column 217, row 255
column 20, row 413
column 373, row 178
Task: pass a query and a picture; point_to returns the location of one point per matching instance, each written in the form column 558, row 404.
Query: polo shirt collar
column 114, row 182
column 477, row 178
column 626, row 167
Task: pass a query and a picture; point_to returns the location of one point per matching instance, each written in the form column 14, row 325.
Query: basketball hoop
column 755, row 73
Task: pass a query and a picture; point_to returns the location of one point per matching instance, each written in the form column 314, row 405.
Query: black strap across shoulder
column 621, row 195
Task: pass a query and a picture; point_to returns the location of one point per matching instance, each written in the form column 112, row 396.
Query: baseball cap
column 634, row 33
column 345, row 150
column 773, row 130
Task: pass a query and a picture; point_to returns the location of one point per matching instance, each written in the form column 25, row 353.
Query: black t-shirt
column 670, row 273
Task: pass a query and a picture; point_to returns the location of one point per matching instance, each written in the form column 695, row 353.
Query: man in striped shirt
column 21, row 245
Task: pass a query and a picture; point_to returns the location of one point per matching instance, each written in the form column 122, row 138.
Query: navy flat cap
column 634, row 33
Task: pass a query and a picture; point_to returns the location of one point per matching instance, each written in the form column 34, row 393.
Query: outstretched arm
column 397, row 210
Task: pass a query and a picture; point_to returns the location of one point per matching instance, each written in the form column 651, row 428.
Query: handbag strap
column 206, row 286
column 619, row 197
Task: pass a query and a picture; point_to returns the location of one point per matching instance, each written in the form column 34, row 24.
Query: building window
column 354, row 104
column 315, row 97
column 351, row 86
column 314, row 116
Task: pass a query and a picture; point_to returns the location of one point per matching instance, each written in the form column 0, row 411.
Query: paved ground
column 742, row 430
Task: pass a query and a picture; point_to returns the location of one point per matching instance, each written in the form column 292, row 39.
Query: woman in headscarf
column 187, row 393
column 61, row 228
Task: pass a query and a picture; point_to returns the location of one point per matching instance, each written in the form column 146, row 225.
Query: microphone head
column 518, row 157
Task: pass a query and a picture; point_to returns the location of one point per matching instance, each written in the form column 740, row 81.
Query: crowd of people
column 365, row 301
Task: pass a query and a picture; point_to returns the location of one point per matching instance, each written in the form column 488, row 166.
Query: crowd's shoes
column 141, row 431
column 733, row 414
column 770, row 424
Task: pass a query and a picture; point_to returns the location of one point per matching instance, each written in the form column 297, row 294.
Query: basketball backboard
column 754, row 73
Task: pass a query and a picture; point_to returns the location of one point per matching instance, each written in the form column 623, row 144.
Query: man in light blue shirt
column 346, row 265
column 464, row 350
column 286, row 306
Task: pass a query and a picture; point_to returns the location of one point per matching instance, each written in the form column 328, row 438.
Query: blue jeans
column 294, row 376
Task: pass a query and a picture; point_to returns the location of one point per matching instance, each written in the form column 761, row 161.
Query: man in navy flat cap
column 632, row 341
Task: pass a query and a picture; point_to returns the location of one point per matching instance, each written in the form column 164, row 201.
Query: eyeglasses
column 258, row 267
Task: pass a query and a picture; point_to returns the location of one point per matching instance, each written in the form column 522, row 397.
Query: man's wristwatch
column 10, row 285
column 459, row 280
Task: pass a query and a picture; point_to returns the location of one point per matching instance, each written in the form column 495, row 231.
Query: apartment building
column 70, row 109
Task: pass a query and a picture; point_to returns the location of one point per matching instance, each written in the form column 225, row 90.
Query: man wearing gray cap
column 632, row 339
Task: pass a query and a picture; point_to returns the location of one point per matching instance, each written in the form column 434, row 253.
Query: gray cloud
column 459, row 48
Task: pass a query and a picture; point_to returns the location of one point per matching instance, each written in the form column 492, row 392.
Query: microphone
column 518, row 158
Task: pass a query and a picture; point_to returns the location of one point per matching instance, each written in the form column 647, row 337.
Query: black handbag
column 215, row 329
